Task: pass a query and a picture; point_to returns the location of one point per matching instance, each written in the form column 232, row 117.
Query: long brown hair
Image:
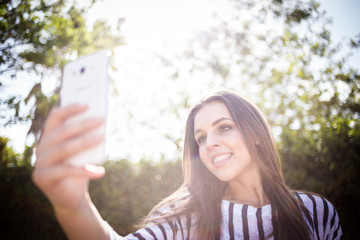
column 202, row 193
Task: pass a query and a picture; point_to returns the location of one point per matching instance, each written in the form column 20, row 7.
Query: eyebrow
column 214, row 123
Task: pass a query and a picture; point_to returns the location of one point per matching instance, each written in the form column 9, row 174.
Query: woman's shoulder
column 314, row 201
column 169, row 207
column 321, row 215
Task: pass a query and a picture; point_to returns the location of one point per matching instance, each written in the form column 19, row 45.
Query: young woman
column 233, row 185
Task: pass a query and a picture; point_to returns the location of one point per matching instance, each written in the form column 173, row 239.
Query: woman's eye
column 201, row 139
column 224, row 128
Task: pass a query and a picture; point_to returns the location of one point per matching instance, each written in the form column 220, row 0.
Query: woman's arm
column 66, row 186
column 85, row 223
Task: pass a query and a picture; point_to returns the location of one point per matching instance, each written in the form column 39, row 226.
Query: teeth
column 221, row 158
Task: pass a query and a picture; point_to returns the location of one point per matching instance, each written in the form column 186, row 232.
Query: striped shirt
column 241, row 221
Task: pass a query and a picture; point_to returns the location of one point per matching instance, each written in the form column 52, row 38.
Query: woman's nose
column 212, row 141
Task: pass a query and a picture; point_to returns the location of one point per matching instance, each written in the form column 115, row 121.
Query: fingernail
column 94, row 168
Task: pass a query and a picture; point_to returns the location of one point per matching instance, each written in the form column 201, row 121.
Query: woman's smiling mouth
column 219, row 160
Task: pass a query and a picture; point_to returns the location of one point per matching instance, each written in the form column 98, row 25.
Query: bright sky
column 346, row 19
column 148, row 24
column 147, row 90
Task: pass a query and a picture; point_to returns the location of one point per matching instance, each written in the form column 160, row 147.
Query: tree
column 40, row 37
column 129, row 191
column 8, row 158
column 281, row 56
column 124, row 195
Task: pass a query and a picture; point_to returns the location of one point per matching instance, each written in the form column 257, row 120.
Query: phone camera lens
column 82, row 70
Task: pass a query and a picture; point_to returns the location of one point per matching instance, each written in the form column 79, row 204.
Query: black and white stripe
column 241, row 221
column 323, row 219
column 244, row 221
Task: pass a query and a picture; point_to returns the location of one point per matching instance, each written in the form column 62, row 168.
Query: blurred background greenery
column 278, row 53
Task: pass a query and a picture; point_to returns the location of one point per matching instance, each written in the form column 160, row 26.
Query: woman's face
column 221, row 145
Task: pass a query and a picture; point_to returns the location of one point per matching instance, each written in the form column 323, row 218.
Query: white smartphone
column 85, row 81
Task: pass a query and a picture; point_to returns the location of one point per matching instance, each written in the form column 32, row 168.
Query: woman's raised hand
column 64, row 184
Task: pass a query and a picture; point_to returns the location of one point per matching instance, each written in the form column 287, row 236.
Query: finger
column 67, row 149
column 58, row 115
column 47, row 176
column 66, row 132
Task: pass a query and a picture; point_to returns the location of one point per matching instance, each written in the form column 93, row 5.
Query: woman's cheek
column 202, row 155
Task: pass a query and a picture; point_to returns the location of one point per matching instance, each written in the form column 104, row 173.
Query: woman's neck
column 247, row 190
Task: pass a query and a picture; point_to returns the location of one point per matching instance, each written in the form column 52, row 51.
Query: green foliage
column 327, row 162
column 8, row 158
column 41, row 37
column 280, row 54
column 24, row 210
column 47, row 33
column 123, row 196
column 129, row 191
column 297, row 79
column 21, row 26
